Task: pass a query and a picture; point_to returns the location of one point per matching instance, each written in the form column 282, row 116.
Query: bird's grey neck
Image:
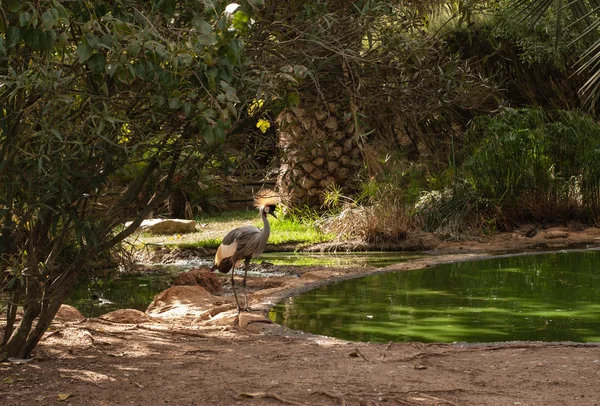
column 266, row 229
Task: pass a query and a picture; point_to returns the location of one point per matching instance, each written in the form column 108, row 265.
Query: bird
column 245, row 243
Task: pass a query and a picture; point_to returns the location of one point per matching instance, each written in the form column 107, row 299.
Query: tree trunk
column 11, row 316
column 49, row 309
column 15, row 346
column 25, row 338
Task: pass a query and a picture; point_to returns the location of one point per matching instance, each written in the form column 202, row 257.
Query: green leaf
column 2, row 50
column 13, row 36
column 125, row 76
column 188, row 108
column 219, row 132
column 111, row 69
column 209, row 4
column 201, row 124
column 134, row 49
column 14, row 6
column 201, row 24
column 49, row 18
column 174, row 103
column 209, row 135
column 240, row 21
column 293, row 99
column 92, row 40
column 39, row 40
column 208, row 39
column 97, row 63
column 231, row 95
column 84, row 51
column 24, row 19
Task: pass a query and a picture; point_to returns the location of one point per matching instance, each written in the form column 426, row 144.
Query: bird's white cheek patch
column 228, row 250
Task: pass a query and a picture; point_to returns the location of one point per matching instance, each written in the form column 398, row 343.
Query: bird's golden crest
column 266, row 197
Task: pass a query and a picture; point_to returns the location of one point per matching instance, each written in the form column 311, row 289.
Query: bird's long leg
column 233, row 287
column 246, row 265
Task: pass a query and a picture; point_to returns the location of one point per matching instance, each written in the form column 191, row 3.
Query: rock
column 182, row 301
column 127, row 316
column 167, row 226
column 201, row 277
column 68, row 314
column 244, row 319
column 556, row 234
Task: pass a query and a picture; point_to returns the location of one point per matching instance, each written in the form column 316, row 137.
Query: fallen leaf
column 8, row 380
column 139, row 385
column 63, row 396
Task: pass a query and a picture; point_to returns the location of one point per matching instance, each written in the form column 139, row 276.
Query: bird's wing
column 239, row 242
column 240, row 233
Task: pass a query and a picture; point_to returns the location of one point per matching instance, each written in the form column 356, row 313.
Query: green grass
column 284, row 230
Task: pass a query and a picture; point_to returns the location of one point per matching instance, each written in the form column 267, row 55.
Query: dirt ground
column 210, row 356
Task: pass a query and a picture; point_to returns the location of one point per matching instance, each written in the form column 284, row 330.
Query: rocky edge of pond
column 201, row 298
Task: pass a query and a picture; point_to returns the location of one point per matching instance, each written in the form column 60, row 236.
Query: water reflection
column 550, row 297
column 97, row 295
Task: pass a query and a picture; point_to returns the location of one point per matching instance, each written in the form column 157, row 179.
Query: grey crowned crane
column 245, row 243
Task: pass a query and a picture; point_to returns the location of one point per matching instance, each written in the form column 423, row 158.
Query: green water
column 339, row 259
column 137, row 291
column 549, row 297
column 118, row 292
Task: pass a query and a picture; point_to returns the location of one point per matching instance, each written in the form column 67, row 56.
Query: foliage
column 89, row 92
column 581, row 15
column 538, row 164
column 378, row 212
column 449, row 211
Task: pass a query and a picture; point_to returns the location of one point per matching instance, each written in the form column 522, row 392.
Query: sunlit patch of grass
column 212, row 229
column 289, row 230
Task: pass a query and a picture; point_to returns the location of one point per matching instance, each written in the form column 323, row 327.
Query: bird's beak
column 272, row 213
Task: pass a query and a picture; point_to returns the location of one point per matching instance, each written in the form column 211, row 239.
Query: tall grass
column 537, row 165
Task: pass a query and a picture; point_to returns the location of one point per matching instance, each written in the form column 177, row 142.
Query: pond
column 547, row 297
column 97, row 295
